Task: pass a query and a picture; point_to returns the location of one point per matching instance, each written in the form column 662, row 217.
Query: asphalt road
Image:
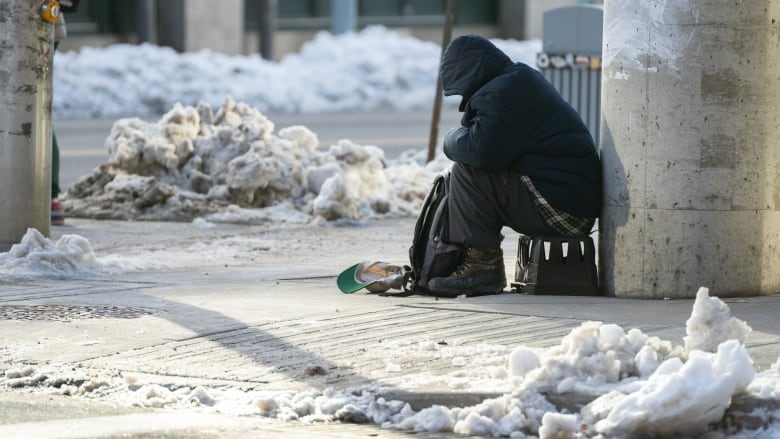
column 82, row 148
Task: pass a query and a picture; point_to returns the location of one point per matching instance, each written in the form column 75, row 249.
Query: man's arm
column 488, row 142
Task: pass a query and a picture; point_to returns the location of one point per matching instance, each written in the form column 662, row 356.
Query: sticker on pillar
column 50, row 11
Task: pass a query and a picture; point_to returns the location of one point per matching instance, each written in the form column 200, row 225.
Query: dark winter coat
column 513, row 117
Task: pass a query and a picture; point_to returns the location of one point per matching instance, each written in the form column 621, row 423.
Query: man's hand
column 453, row 135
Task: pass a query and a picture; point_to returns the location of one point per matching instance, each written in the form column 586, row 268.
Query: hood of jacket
column 468, row 63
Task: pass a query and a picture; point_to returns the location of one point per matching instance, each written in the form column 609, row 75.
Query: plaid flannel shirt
column 562, row 222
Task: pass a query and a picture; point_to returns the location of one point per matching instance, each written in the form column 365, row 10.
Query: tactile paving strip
column 343, row 348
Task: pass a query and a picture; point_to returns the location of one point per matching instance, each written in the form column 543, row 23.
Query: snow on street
column 373, row 69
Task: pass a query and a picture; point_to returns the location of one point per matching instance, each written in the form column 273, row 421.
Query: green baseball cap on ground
column 375, row 276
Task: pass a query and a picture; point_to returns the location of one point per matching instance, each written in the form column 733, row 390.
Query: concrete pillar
column 25, row 120
column 218, row 26
column 690, row 133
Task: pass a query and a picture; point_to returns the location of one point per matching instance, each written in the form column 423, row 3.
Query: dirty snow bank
column 649, row 388
column 230, row 166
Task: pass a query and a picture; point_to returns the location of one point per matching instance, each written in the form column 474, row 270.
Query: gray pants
column 482, row 202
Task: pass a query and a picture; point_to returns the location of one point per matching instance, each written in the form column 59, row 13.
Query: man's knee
column 466, row 176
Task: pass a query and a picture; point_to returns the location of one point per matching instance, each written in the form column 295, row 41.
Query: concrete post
column 689, row 148
column 25, row 120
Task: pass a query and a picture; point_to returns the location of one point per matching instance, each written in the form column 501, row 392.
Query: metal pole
column 266, row 18
column 433, row 138
column 343, row 15
column 170, row 24
column 25, row 120
column 147, row 21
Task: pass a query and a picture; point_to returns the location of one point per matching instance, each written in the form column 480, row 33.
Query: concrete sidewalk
column 263, row 312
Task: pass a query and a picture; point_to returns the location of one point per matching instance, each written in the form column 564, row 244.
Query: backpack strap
column 408, row 284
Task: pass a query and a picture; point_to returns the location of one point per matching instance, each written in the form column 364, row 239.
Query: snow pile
column 594, row 355
column 72, row 256
column 374, row 68
column 648, row 388
column 226, row 165
column 37, row 254
column 678, row 398
column 711, row 312
column 767, row 384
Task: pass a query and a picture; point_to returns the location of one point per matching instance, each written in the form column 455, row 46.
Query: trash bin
column 571, row 58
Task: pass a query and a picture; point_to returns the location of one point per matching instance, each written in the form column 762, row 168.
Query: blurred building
column 236, row 26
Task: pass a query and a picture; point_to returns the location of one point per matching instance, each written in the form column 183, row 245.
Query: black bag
column 431, row 254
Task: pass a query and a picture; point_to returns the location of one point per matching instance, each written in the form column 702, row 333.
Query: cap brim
column 347, row 280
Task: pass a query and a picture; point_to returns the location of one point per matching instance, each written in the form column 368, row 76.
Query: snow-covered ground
column 214, row 157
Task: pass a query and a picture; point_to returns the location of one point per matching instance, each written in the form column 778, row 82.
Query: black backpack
column 431, row 254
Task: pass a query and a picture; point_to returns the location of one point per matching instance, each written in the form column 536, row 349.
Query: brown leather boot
column 481, row 272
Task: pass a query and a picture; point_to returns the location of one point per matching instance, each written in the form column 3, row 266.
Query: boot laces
column 461, row 269
column 468, row 260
